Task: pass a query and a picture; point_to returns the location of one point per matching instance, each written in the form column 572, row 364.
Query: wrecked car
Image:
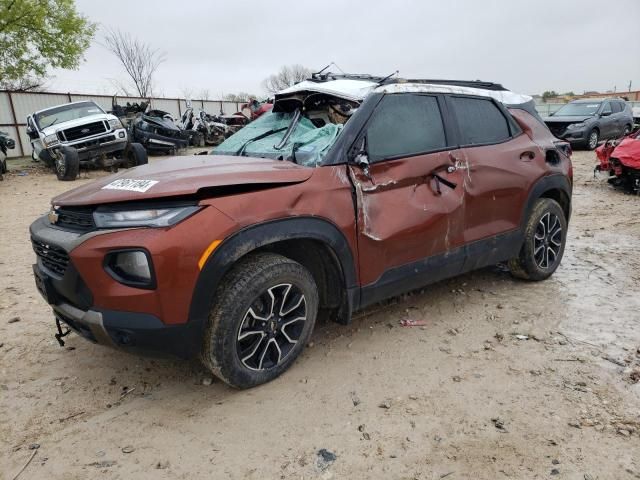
column 585, row 122
column 154, row 129
column 621, row 160
column 351, row 190
column 77, row 134
column 6, row 143
column 253, row 109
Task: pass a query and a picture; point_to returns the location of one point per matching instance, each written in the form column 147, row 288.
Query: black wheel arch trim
column 543, row 185
column 260, row 235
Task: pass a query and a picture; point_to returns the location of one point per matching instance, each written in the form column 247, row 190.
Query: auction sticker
column 130, row 185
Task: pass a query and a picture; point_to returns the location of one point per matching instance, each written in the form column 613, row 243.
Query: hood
column 561, row 119
column 160, row 122
column 77, row 122
column 628, row 152
column 182, row 176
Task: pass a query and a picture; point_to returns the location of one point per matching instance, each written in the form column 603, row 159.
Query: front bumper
column 132, row 332
column 157, row 142
column 575, row 136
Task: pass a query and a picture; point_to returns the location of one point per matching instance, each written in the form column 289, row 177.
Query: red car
column 351, row 190
column 621, row 159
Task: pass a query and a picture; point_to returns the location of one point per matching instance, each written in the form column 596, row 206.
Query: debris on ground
column 413, row 323
column 386, row 404
column 325, row 458
column 499, row 424
column 128, row 449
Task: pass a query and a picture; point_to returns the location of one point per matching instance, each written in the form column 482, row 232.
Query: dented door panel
column 496, row 181
column 401, row 217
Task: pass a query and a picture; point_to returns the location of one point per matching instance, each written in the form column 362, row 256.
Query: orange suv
column 352, row 189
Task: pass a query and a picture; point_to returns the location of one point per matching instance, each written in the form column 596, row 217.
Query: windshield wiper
column 54, row 121
column 292, row 126
column 241, row 150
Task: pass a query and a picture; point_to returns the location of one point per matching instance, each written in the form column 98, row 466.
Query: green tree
column 36, row 35
column 549, row 94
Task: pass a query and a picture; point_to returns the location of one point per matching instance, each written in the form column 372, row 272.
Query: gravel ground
column 507, row 379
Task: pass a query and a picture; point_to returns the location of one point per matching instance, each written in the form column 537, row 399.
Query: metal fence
column 544, row 109
column 16, row 106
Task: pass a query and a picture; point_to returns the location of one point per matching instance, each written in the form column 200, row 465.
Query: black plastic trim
column 255, row 236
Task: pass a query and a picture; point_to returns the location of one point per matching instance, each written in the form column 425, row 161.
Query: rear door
column 405, row 215
column 500, row 163
column 608, row 126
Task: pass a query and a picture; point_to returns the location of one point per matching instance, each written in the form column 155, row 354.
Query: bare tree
column 205, row 94
column 237, row 97
column 25, row 84
column 139, row 60
column 286, row 77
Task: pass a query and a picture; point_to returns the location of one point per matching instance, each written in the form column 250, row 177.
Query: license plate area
column 44, row 286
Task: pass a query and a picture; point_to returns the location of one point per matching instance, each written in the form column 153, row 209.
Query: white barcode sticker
column 130, row 184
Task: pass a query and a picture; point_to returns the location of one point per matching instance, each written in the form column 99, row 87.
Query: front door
column 410, row 206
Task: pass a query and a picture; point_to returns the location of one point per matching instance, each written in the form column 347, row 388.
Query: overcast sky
column 228, row 46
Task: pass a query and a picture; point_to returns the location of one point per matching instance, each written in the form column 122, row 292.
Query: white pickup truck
column 81, row 133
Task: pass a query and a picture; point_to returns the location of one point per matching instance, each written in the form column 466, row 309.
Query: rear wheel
column 263, row 316
column 592, row 139
column 544, row 240
column 67, row 164
column 136, row 155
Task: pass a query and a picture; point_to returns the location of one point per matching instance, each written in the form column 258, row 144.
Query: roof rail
column 326, row 77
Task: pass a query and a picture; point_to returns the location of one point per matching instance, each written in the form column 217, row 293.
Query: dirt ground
column 507, row 379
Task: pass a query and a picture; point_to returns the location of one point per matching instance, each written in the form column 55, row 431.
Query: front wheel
column 136, row 155
column 544, row 240
column 67, row 163
column 262, row 317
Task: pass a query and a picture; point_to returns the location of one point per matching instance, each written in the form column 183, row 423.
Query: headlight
column 152, row 217
column 115, row 123
column 576, row 126
column 51, row 140
column 131, row 267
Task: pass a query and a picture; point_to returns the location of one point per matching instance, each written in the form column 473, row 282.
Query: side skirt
column 411, row 276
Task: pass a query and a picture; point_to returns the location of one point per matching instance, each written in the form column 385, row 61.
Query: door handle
column 528, row 154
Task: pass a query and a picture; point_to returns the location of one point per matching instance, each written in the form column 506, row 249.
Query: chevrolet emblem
column 53, row 216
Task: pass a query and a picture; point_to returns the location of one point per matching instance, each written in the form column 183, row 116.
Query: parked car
column 81, row 133
column 351, row 190
column 6, row 143
column 584, row 123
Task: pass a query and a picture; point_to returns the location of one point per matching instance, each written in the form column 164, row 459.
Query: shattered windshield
column 64, row 113
column 578, row 109
column 280, row 135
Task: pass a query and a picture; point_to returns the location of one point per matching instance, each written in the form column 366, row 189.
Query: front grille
column 83, row 131
column 53, row 258
column 94, row 142
column 75, row 219
column 558, row 129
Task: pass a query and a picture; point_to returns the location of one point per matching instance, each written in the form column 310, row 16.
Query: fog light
column 121, row 134
column 131, row 267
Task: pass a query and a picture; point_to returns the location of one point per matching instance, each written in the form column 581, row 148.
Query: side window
column 607, row 108
column 480, row 121
column 403, row 125
column 617, row 107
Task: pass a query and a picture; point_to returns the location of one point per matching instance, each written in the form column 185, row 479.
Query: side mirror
column 605, row 114
column 361, row 159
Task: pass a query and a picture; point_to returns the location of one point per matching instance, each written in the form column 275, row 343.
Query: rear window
column 480, row 121
column 405, row 125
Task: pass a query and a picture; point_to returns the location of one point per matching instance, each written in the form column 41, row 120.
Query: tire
column 592, row 139
column 136, row 155
column 67, row 164
column 243, row 304
column 547, row 220
column 3, row 166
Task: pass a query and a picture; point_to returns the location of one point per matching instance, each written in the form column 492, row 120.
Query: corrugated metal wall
column 16, row 106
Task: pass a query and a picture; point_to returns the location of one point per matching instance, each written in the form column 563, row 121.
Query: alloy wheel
column 61, row 165
column 547, row 241
column 593, row 140
column 271, row 327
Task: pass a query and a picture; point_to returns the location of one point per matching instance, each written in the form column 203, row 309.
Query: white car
column 81, row 133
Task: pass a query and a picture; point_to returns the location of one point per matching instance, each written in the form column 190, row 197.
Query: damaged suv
column 353, row 189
